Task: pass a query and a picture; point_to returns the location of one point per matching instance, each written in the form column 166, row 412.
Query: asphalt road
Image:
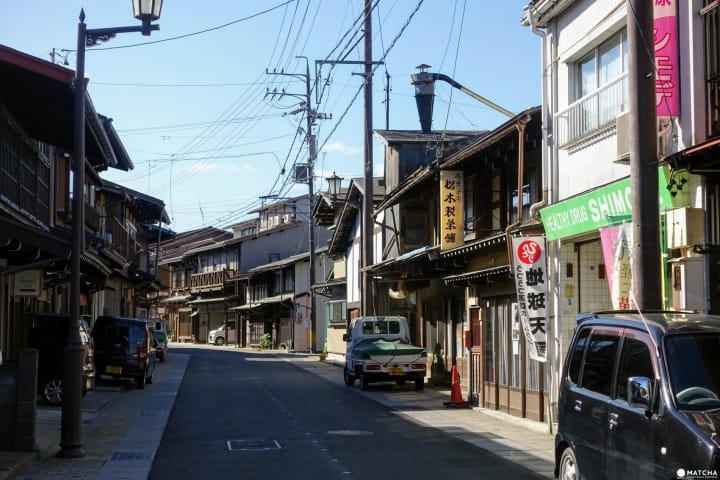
column 257, row 416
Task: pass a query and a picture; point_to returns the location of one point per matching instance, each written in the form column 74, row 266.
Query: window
column 288, row 280
column 599, row 93
column 602, row 65
column 576, row 356
column 335, row 312
column 635, row 361
column 711, row 21
column 469, row 204
column 599, row 362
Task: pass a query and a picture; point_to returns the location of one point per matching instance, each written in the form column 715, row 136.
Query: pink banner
column 667, row 89
column 616, row 244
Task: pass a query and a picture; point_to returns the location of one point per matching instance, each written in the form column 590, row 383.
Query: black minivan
column 47, row 334
column 124, row 348
column 640, row 397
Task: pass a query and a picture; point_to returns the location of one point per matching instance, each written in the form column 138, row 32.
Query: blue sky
column 194, row 113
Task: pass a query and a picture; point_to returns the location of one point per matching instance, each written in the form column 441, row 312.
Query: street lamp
column 334, row 185
column 70, row 432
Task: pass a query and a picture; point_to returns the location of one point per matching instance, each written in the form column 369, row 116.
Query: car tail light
column 418, row 366
column 372, row 367
column 142, row 353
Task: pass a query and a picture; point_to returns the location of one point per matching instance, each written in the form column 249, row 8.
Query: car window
column 576, row 355
column 694, row 366
column 599, row 363
column 635, row 361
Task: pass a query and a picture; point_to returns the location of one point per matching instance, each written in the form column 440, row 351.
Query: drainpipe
column 549, row 187
column 546, row 115
column 520, row 125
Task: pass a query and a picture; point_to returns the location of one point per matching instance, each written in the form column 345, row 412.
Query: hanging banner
column 665, row 39
column 616, row 244
column 452, row 233
column 530, row 268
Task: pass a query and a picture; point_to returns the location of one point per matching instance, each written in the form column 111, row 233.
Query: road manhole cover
column 349, row 433
column 245, row 444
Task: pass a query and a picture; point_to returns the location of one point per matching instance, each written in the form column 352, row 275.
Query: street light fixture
column 334, row 185
column 70, row 431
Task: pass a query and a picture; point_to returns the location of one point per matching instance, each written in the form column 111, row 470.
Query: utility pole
column 646, row 271
column 367, row 225
column 310, row 116
column 368, row 204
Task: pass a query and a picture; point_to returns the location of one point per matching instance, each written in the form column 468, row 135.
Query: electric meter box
column 685, row 227
column 687, row 282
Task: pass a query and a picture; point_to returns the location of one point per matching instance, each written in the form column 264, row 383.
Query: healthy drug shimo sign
column 597, row 208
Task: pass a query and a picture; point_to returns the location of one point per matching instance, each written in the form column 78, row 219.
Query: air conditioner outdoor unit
column 622, row 128
column 622, row 135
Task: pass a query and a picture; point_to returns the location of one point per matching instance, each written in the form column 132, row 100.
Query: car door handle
column 578, row 405
column 613, row 422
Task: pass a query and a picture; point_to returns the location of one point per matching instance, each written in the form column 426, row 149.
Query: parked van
column 47, row 334
column 125, row 348
column 640, row 397
column 217, row 336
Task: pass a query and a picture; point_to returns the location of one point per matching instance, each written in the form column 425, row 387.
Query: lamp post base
column 71, row 452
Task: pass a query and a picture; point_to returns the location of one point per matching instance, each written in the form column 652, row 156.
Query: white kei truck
column 379, row 350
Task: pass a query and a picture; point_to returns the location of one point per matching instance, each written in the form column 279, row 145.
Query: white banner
column 530, row 270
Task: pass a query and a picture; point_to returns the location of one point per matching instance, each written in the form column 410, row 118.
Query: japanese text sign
column 667, row 82
column 530, row 270
column 452, row 212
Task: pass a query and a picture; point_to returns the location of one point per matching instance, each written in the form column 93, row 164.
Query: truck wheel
column 419, row 382
column 364, row 382
column 140, row 382
column 349, row 379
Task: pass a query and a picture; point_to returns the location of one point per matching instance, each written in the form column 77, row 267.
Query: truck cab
column 379, row 349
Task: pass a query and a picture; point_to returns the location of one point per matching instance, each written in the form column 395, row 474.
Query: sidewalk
column 122, row 428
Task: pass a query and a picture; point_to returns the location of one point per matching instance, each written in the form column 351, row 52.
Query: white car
column 217, row 336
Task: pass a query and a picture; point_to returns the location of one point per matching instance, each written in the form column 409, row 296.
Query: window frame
column 602, row 331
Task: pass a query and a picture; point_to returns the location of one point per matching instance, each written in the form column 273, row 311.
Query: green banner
column 599, row 208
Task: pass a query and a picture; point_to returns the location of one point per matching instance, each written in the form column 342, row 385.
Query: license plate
column 113, row 370
column 395, row 371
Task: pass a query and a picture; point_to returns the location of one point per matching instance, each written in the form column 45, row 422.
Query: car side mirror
column 639, row 392
column 346, row 337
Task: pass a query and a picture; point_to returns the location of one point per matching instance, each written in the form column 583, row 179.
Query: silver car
column 217, row 336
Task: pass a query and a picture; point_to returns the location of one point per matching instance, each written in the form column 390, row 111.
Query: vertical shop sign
column 616, row 244
column 452, row 227
column 530, row 270
column 667, row 91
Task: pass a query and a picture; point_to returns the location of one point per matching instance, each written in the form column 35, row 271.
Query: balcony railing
column 205, row 282
column 92, row 218
column 592, row 113
column 118, row 236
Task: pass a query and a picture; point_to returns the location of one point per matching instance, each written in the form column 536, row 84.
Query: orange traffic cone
column 456, row 400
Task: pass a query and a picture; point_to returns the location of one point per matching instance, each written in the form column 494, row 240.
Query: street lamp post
column 71, row 432
column 334, row 185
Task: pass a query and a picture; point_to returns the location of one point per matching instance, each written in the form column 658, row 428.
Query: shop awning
column 176, row 299
column 486, row 274
column 210, row 300
column 699, row 159
column 275, row 299
column 247, row 306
